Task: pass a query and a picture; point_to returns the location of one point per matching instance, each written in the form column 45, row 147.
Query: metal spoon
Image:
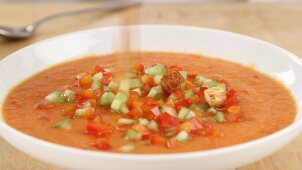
column 28, row 30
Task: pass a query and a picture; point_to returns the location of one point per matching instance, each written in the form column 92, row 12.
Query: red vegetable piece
column 99, row 129
column 96, row 69
column 157, row 140
column 105, row 81
column 167, row 121
column 102, row 144
column 85, row 81
column 191, row 76
column 139, row 68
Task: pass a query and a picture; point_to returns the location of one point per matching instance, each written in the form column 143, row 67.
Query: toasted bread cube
column 171, row 81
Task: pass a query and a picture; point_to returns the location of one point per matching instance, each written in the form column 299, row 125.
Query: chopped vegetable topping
column 159, row 105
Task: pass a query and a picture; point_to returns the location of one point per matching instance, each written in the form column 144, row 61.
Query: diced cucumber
column 81, row 112
column 182, row 136
column 132, row 134
column 87, row 104
column 184, row 74
column 199, row 79
column 190, row 115
column 123, row 97
column 155, row 91
column 143, row 121
column 138, row 91
column 124, row 109
column 107, row 98
column 183, row 113
column 183, row 86
column 55, row 97
column 97, row 76
column 136, row 83
column 126, row 121
column 69, row 95
column 113, row 85
column 212, row 109
column 156, row 70
column 116, row 105
column 157, row 79
column 188, row 94
column 170, row 110
column 219, row 116
column 124, row 85
column 127, row 148
column 211, row 83
column 199, row 107
column 64, row 124
column 172, row 97
column 106, row 89
column 152, row 125
column 95, row 85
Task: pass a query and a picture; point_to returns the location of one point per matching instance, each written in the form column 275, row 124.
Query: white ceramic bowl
column 266, row 57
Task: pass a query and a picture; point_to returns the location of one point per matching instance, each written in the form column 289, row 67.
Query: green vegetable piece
column 113, row 85
column 182, row 136
column 55, row 97
column 170, row 110
column 69, row 95
column 152, row 125
column 123, row 97
column 157, row 79
column 97, row 76
column 136, row 83
column 199, row 79
column 219, row 116
column 132, row 134
column 127, row 148
column 126, row 121
column 188, row 94
column 125, row 85
column 116, row 105
column 107, row 98
column 64, row 124
column 106, row 89
column 155, row 91
column 183, row 113
column 156, row 70
column 143, row 121
column 95, row 85
column 184, row 74
column 124, row 109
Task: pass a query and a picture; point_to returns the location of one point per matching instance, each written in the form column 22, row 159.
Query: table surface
column 276, row 23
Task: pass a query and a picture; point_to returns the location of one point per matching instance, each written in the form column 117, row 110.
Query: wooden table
column 280, row 24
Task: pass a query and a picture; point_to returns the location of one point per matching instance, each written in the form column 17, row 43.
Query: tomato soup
column 167, row 103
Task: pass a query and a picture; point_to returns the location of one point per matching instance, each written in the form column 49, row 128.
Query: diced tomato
column 139, row 68
column 179, row 93
column 231, row 101
column 85, row 81
column 96, row 69
column 90, row 113
column 147, row 113
column 157, row 140
column 134, row 113
column 102, row 144
column 98, row 129
column 149, row 101
column 44, row 105
column 155, row 110
column 231, row 93
column 145, row 136
column 98, row 93
column 105, row 81
column 175, row 68
column 148, row 80
column 86, row 94
column 200, row 93
column 195, row 99
column 167, row 121
column 196, row 124
column 133, row 97
column 189, row 85
column 191, row 76
column 70, row 110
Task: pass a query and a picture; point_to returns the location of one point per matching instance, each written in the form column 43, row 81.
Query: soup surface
column 171, row 102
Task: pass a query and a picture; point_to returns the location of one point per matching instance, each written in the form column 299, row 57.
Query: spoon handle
column 107, row 7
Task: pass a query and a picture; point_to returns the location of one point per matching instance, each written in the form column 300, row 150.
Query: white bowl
column 266, row 57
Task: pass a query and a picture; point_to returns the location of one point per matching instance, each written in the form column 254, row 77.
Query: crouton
column 215, row 96
column 171, row 81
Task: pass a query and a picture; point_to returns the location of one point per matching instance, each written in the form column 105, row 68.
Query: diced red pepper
column 157, row 140
column 102, row 144
column 85, row 94
column 134, row 113
column 70, row 110
column 175, row 68
column 44, row 105
column 139, row 68
column 96, row 69
column 85, row 81
column 105, row 81
column 98, row 129
column 168, row 121
column 191, row 76
column 133, row 98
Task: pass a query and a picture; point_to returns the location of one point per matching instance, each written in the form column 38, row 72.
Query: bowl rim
column 165, row 156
